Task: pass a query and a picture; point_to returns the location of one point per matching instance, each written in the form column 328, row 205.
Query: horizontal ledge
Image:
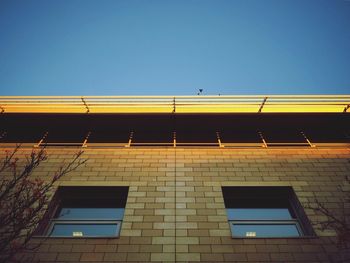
column 185, row 145
column 182, row 96
column 176, row 104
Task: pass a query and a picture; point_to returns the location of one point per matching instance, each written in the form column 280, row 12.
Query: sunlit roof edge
column 177, row 104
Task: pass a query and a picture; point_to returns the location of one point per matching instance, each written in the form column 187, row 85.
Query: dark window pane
column 68, row 213
column 264, row 230
column 70, row 230
column 258, row 214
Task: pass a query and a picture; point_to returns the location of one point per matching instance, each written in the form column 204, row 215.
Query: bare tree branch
column 25, row 200
column 337, row 220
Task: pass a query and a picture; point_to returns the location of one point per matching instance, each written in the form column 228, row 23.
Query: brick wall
column 175, row 209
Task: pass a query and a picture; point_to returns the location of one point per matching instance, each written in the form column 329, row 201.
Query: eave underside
column 223, row 130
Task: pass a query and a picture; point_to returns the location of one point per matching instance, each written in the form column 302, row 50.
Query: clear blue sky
column 82, row 47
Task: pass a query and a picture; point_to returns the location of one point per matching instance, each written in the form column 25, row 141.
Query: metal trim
column 176, row 104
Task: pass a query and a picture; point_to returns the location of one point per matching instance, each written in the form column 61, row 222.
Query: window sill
column 300, row 237
column 83, row 237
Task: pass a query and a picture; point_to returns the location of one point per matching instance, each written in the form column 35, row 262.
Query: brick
column 244, row 248
column 92, row 257
column 211, row 257
column 209, row 240
column 168, row 219
column 281, row 256
column 312, row 248
column 313, row 257
column 256, row 257
column 60, row 248
column 41, row 248
column 233, row 257
column 186, row 212
column 163, row 257
column 152, row 219
column 169, row 232
column 187, row 256
column 141, row 240
column 105, row 248
column 206, row 212
column 120, row 240
column 164, row 225
column 198, row 232
column 68, row 256
column 181, row 233
column 152, row 233
column 138, row 257
column 163, row 240
column 164, row 212
column 187, row 240
column 141, row 212
column 181, row 248
column 220, row 232
column 133, row 232
column 267, row 248
column 169, row 249
column 121, row 257
column 96, row 241
column 289, row 248
column 142, row 225
column 130, row 218
column 151, row 248
column 180, row 218
column 83, row 248
column 222, row 248
column 207, row 225
column 200, row 219
column 128, row 248
column 200, row 248
column 46, row 256
column 220, row 218
column 185, row 225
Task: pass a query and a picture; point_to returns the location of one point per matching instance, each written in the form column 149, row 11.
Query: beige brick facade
column 175, row 209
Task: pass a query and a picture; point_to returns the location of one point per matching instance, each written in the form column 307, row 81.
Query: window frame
column 262, row 196
column 53, row 222
column 56, row 204
column 266, row 222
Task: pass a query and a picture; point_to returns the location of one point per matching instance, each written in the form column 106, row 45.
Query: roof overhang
column 176, row 104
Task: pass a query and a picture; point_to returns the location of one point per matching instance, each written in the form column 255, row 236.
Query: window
column 265, row 212
column 86, row 212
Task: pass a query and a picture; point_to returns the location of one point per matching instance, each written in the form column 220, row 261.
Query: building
column 205, row 178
